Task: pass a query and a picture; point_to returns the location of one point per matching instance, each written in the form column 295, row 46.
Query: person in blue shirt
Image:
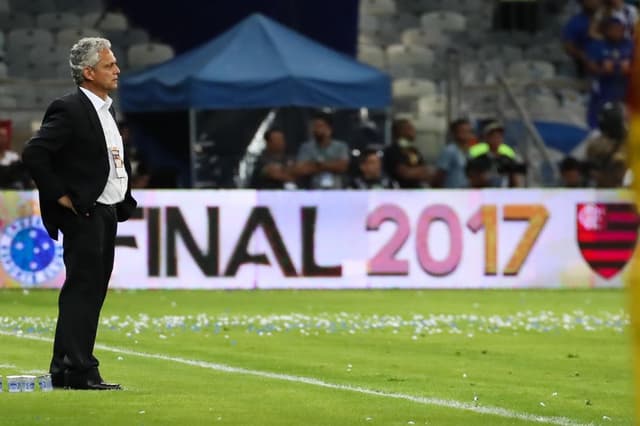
column 609, row 62
column 453, row 158
column 576, row 37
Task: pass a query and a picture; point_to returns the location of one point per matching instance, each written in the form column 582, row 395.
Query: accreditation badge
column 117, row 161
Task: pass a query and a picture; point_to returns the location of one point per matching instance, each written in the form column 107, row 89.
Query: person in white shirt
column 82, row 173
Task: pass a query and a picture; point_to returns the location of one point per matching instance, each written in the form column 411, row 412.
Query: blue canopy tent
column 258, row 63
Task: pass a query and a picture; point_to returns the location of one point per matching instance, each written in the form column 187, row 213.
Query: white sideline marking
column 447, row 403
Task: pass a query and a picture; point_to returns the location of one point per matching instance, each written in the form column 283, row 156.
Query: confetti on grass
column 416, row 326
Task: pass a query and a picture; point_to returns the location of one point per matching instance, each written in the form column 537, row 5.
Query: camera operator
column 507, row 169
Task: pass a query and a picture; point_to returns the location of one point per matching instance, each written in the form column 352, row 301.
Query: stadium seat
column 14, row 20
column 413, row 88
column 8, row 102
column 531, row 70
column 81, row 6
column 4, row 71
column 443, row 21
column 57, row 21
column 367, row 23
column 399, row 71
column 502, row 51
column 128, row 37
column 49, row 54
column 33, row 7
column 26, row 38
column 145, row 54
column 409, row 55
column 113, row 22
column 476, row 73
column 69, row 36
column 433, row 104
column 372, row 55
column 552, row 52
column 420, row 36
column 378, row 7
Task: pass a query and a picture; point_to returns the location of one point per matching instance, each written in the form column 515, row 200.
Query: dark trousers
column 88, row 244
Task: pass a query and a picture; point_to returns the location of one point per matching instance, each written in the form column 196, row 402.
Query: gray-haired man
column 78, row 163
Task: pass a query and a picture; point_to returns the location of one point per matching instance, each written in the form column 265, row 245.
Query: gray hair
column 86, row 53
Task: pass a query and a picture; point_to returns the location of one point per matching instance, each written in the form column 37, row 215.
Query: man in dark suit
column 79, row 166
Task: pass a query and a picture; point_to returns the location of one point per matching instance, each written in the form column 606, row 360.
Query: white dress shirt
column 116, row 187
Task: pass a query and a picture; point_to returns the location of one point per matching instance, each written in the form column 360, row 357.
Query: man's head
column 322, row 127
column 478, row 171
column 571, row 173
column 276, row 144
column 616, row 4
column 494, row 135
column 93, row 65
column 462, row 132
column 613, row 29
column 370, row 165
column 403, row 129
column 590, row 6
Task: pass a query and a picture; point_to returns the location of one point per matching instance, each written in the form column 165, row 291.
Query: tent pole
column 192, row 146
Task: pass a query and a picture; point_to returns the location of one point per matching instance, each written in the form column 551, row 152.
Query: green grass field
column 375, row 357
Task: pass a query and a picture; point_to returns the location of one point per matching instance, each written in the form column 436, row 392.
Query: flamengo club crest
column 607, row 235
column 28, row 254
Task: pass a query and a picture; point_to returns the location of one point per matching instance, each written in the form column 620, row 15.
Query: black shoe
column 57, row 380
column 81, row 381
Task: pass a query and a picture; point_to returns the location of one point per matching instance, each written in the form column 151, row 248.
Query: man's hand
column 65, row 202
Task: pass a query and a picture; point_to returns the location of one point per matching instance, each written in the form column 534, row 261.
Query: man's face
column 104, row 75
column 276, row 143
column 572, row 178
column 591, row 5
column 320, row 129
column 371, row 167
column 495, row 138
column 464, row 134
column 407, row 131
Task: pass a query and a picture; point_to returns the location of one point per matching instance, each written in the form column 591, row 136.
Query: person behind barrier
column 610, row 64
column 571, row 173
column 323, row 161
column 576, row 36
column 479, row 172
column 370, row 174
column 507, row 171
column 403, row 161
column 274, row 169
column 453, row 158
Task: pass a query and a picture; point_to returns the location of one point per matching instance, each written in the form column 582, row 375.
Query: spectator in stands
column 140, row 173
column 576, row 35
column 323, row 161
column 606, row 152
column 371, row 175
column 571, row 173
column 12, row 172
column 610, row 63
column 273, row 169
column 403, row 161
column 453, row 158
column 507, row 171
column 626, row 13
column 479, row 172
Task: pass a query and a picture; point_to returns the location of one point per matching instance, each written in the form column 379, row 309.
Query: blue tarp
column 256, row 64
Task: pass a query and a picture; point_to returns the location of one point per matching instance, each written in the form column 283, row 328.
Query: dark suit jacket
column 69, row 156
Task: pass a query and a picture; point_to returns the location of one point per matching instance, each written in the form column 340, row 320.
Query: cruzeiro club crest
column 607, row 234
column 28, row 254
